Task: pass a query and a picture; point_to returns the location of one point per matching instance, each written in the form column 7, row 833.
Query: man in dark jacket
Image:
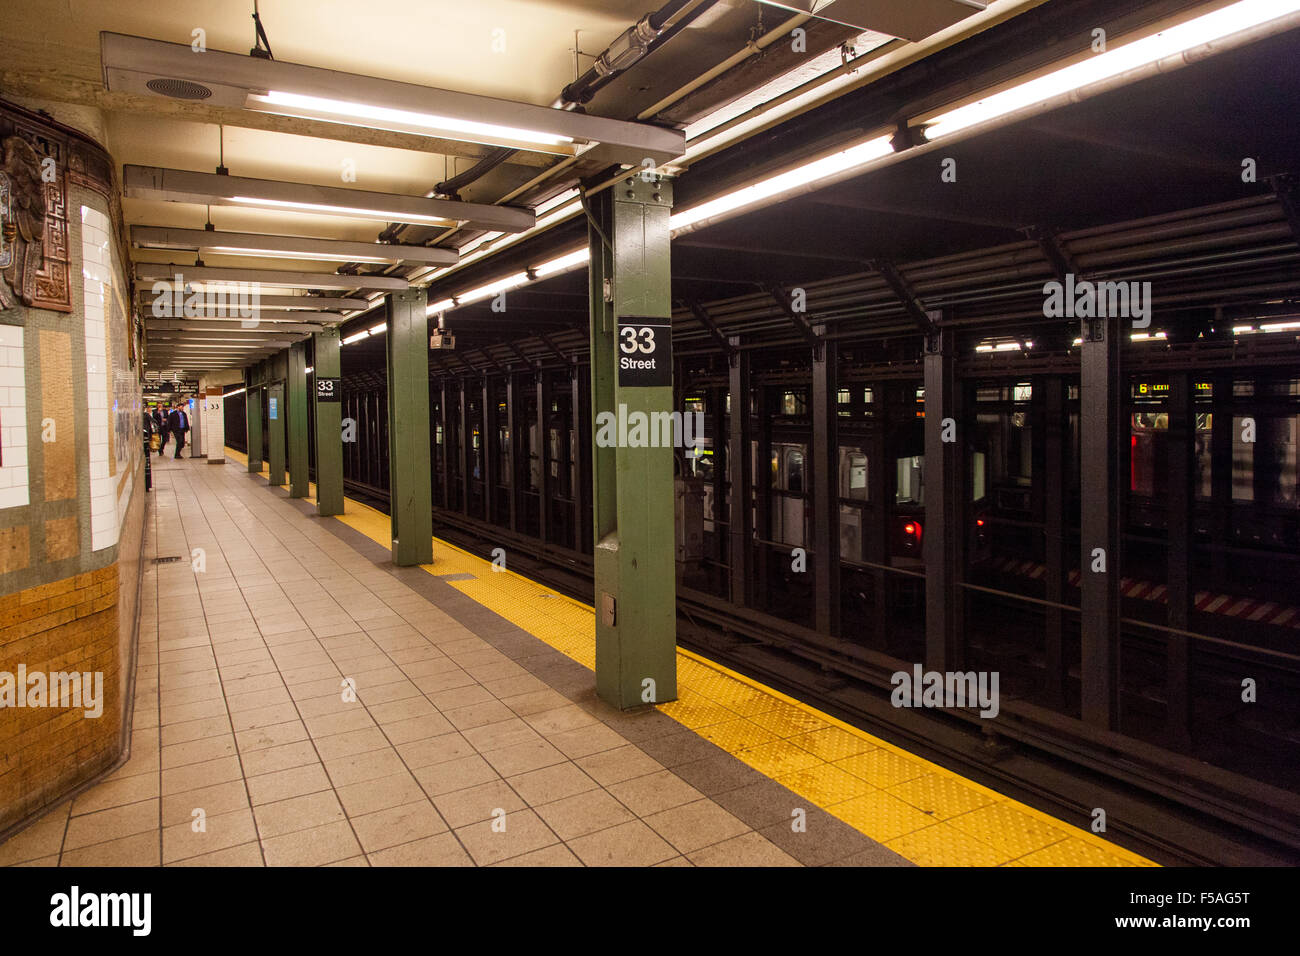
column 164, row 429
column 180, row 424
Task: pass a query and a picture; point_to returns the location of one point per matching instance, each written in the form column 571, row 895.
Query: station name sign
column 328, row 389
column 645, row 351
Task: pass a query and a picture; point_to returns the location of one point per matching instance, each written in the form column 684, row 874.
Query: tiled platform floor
column 469, row 741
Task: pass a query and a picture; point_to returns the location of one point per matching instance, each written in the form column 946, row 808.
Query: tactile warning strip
column 922, row 811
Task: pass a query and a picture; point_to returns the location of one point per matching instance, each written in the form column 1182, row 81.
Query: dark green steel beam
column 631, row 287
column 408, row 428
column 276, row 373
column 329, row 422
column 296, row 395
column 253, row 416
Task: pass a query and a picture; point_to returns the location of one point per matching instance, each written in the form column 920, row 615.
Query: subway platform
column 301, row 701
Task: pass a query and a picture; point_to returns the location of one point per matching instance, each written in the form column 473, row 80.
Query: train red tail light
column 912, row 529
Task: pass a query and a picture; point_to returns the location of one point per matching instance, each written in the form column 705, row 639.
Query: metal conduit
column 1247, row 245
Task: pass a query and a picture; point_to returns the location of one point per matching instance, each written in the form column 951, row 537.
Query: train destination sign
column 645, row 351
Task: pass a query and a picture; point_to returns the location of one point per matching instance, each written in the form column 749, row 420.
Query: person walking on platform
column 164, row 429
column 180, row 424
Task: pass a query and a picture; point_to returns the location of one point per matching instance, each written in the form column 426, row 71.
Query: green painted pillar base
column 635, row 556
column 253, row 419
column 409, row 462
column 275, row 426
column 296, row 422
column 329, row 422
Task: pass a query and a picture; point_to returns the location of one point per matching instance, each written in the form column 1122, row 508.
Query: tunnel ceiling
column 1173, row 142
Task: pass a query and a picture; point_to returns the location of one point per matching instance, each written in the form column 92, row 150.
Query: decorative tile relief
column 13, row 418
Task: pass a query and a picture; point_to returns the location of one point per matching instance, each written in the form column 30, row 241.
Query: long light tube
column 1115, row 61
column 402, row 121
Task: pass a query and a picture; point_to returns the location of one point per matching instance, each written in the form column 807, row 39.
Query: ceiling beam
column 296, row 303
column 924, row 320
column 782, row 298
column 129, row 62
column 215, row 189
column 702, row 316
column 287, row 247
column 200, row 325
column 274, row 278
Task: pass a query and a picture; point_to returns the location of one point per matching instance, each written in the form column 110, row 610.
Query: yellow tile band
column 920, row 810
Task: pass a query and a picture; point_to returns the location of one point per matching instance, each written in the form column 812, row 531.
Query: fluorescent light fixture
column 379, row 329
column 401, row 121
column 564, row 263
column 308, row 370
column 1279, row 326
column 154, row 67
column 356, row 338
column 238, row 391
column 493, row 288
column 286, row 247
column 1148, row 336
column 805, row 175
column 270, row 278
column 286, row 303
column 182, row 185
column 1115, row 61
column 775, row 185
column 910, row 19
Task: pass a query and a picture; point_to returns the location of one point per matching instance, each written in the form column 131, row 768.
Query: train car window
column 978, row 463
column 794, row 470
column 1023, row 393
column 1243, row 464
column 1201, row 455
column 1147, row 451
column 844, row 399
column 1020, row 448
column 868, row 396
column 794, row 403
column 1282, row 446
column 853, row 474
column 437, row 434
column 1274, row 458
column 850, row 533
column 911, row 485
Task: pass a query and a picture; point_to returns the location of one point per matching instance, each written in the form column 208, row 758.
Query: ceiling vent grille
column 179, row 89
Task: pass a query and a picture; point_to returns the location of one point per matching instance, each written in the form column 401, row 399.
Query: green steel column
column 631, row 374
column 296, row 390
column 329, row 423
column 409, row 489
column 253, row 414
column 276, row 369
